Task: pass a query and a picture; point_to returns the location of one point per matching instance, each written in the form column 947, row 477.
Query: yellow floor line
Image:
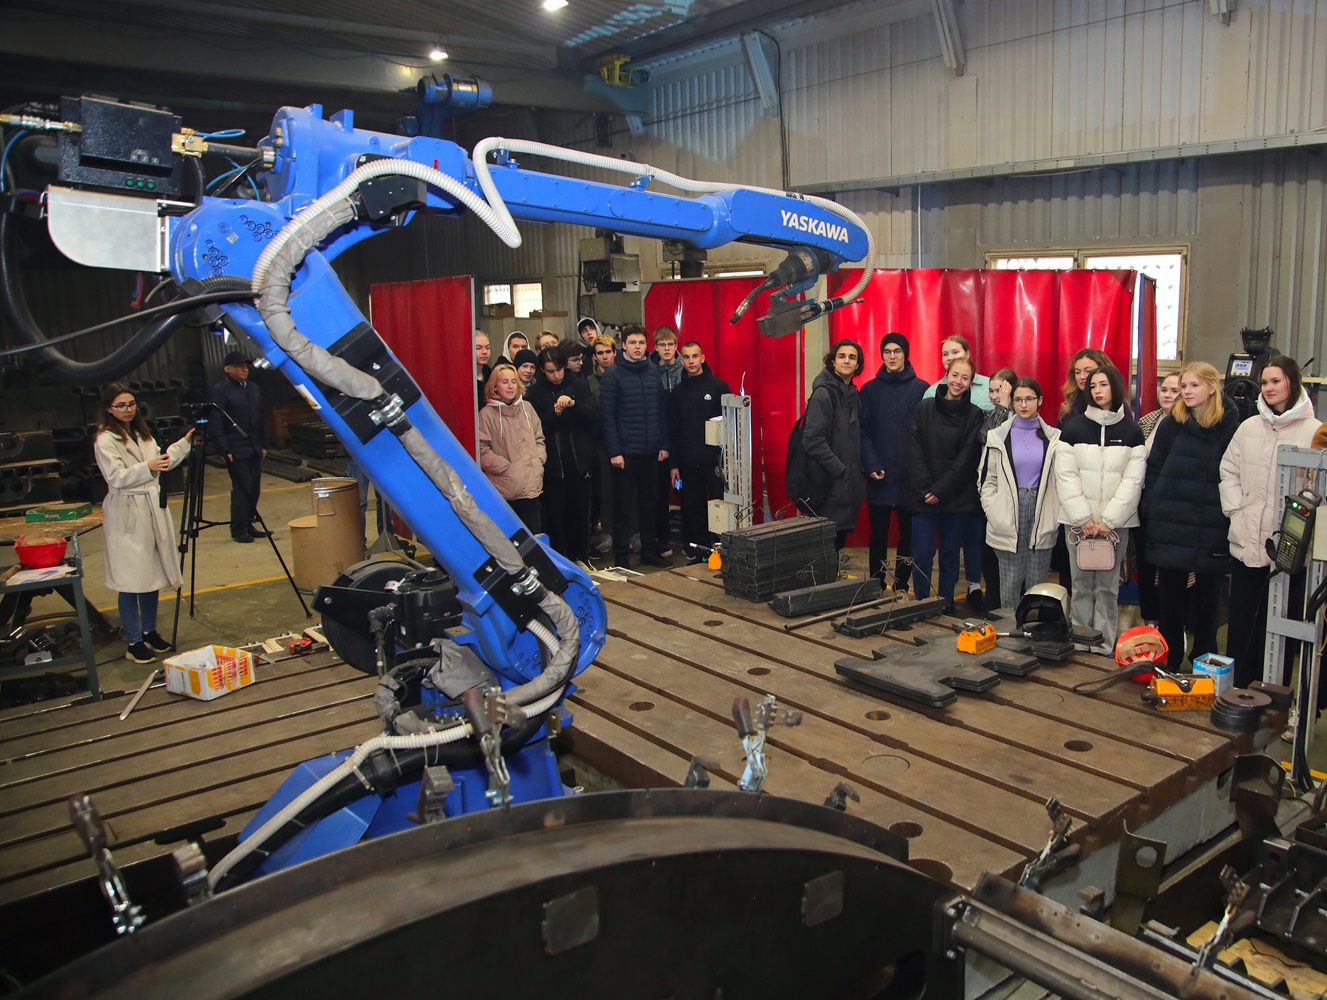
column 1317, row 775
column 207, row 590
column 266, row 490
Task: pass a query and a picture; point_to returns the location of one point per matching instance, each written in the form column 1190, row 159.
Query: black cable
column 187, row 304
column 245, row 173
column 59, row 366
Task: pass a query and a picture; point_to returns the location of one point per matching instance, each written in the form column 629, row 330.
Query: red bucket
column 41, row 549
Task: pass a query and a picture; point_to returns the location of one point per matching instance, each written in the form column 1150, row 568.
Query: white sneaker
column 1292, row 723
column 604, row 544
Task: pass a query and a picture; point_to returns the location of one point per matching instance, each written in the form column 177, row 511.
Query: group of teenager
column 969, row 468
column 559, row 422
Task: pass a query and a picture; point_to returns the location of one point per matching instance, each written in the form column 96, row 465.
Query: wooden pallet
column 967, row 784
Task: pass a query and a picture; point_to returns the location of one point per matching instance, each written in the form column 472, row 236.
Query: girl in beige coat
column 140, row 542
column 511, row 445
column 1250, row 499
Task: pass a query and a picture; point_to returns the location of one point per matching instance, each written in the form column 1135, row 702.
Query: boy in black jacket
column 697, row 398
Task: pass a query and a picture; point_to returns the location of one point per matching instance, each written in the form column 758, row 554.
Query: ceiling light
column 554, row 4
column 437, row 54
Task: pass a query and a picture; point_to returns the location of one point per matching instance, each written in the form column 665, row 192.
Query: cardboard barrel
column 334, row 501
column 320, row 556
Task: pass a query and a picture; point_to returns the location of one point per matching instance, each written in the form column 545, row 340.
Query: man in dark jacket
column 833, row 437
column 633, row 416
column 242, row 439
column 888, row 402
column 668, row 366
column 697, row 398
column 570, row 415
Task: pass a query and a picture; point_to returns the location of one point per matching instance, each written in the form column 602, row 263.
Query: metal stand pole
column 1297, row 468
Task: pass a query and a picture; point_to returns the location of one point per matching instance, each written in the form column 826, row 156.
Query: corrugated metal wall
column 1047, row 78
column 865, row 96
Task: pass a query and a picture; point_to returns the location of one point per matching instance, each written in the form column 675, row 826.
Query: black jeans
column 700, row 484
column 567, row 514
column 528, row 511
column 1246, row 633
column 246, row 476
column 635, row 488
column 1196, row 608
column 879, row 515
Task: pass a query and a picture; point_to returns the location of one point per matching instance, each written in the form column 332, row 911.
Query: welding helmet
column 1140, row 646
column 1044, row 609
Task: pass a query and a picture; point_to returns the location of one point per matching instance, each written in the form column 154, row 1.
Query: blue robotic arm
column 530, row 620
column 313, row 204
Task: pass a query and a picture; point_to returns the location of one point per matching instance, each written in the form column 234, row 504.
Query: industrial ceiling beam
column 732, row 21
column 762, row 62
column 951, row 39
column 204, row 66
column 546, row 55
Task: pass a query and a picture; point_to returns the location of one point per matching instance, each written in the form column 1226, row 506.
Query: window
column 1166, row 266
column 1032, row 263
column 525, row 298
column 1167, row 269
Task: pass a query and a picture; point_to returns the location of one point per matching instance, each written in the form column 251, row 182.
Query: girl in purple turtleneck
column 1019, row 496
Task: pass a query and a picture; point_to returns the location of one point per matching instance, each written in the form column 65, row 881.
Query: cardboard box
column 499, row 310
column 58, row 512
column 209, row 672
column 1220, row 668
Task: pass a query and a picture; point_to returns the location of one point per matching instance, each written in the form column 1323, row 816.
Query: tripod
column 192, row 521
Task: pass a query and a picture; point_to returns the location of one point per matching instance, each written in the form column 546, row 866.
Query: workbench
column 966, row 785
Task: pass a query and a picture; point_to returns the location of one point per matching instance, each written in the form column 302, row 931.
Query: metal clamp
column 433, row 790
column 125, row 916
column 1054, row 855
column 751, row 727
column 838, row 798
column 391, row 412
column 191, row 870
column 487, row 710
column 1236, row 891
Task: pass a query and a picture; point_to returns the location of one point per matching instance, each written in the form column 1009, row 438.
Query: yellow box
column 209, row 672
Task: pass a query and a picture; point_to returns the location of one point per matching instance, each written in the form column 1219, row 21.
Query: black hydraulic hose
column 14, row 307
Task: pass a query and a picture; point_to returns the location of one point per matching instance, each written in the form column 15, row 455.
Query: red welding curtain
column 429, row 325
column 699, row 310
column 1030, row 321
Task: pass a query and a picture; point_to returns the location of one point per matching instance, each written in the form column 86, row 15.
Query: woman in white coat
column 1019, row 496
column 1250, row 499
column 141, row 556
column 1099, row 469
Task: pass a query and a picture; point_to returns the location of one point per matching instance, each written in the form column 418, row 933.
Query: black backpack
column 806, row 482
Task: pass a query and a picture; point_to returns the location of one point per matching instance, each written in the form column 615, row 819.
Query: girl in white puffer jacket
column 1249, row 497
column 1099, row 469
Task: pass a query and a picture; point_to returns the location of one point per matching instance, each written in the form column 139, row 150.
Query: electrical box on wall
column 615, row 308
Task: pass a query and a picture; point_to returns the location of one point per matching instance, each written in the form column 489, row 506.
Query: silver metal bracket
column 125, row 916
column 752, row 727
column 110, row 230
column 433, row 789
column 191, row 870
column 1053, row 855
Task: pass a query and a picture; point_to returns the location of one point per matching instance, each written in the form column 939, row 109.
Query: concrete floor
column 242, row 596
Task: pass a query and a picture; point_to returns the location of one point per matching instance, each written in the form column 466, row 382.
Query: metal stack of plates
column 765, row 559
column 315, row 439
column 824, row 597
